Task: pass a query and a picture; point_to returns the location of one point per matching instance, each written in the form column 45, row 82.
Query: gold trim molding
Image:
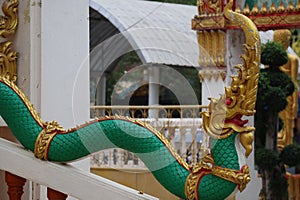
column 8, row 61
column 239, row 177
column 207, row 75
column 193, row 179
column 8, row 26
column 264, row 18
column 9, row 22
column 212, row 48
column 44, row 139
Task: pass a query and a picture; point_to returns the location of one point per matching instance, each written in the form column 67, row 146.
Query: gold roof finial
column 246, row 10
column 264, row 9
column 273, row 8
column 238, row 9
column 290, row 7
column 254, row 10
column 298, row 6
column 281, row 8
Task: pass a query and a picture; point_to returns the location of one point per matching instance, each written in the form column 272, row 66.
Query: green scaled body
column 149, row 145
column 225, row 155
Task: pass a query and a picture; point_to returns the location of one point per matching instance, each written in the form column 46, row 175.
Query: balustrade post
column 194, row 144
column 55, row 195
column 101, row 161
column 15, row 186
column 183, row 143
column 120, row 158
column 111, row 157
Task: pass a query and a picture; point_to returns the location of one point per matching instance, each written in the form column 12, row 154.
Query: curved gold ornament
column 193, row 180
column 44, row 139
column 8, row 61
column 239, row 98
column 246, row 139
column 240, row 177
column 9, row 22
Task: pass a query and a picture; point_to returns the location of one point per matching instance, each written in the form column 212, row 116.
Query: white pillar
column 235, row 40
column 65, row 63
column 153, row 98
column 101, row 91
column 212, row 85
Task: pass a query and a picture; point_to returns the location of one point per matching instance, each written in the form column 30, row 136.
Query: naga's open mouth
column 237, row 120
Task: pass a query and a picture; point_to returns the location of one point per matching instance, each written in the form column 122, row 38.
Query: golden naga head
column 224, row 115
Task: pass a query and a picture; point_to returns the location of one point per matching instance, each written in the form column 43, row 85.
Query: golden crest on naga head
column 224, row 115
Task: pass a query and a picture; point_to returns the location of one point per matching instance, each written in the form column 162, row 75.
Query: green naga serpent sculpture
column 218, row 176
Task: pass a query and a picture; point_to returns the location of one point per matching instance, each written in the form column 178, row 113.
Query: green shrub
column 266, row 159
column 290, row 155
column 274, row 55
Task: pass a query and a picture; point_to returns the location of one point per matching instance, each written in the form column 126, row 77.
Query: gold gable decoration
column 8, row 26
column 281, row 17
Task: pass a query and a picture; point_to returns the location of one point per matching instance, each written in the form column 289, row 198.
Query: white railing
column 64, row 178
column 184, row 133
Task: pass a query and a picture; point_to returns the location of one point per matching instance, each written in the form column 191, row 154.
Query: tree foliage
column 274, row 55
column 290, row 155
column 265, row 158
column 274, row 86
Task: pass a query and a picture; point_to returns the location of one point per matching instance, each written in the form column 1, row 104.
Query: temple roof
column 159, row 32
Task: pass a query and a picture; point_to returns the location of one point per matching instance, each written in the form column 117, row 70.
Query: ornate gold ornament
column 8, row 61
column 8, row 25
column 209, row 6
column 264, row 18
column 9, row 22
column 240, row 177
column 206, row 75
column 192, row 182
column 224, row 114
column 44, row 139
column 210, row 22
column 212, row 48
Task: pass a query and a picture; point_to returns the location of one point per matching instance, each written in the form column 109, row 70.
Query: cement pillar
column 53, row 67
column 101, row 90
column 153, row 98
